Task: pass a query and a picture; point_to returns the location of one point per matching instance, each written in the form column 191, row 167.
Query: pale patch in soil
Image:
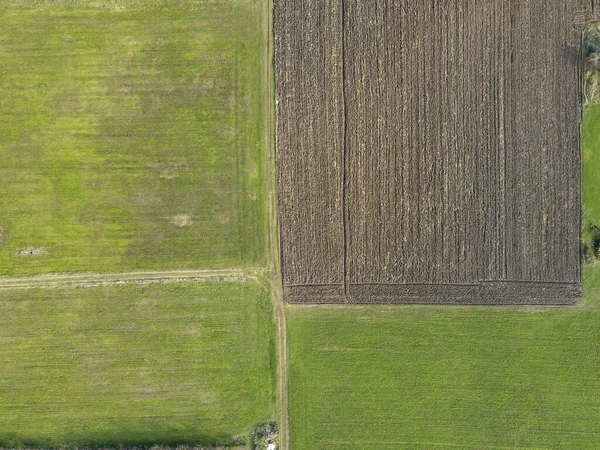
column 182, row 220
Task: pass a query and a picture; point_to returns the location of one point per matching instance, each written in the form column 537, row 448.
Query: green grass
column 590, row 132
column 173, row 363
column 131, row 135
column 433, row 377
column 591, row 163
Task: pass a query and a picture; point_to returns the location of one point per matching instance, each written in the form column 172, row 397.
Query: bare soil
column 426, row 144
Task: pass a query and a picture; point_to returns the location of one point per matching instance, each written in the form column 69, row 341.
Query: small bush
column 590, row 243
column 265, row 434
column 591, row 58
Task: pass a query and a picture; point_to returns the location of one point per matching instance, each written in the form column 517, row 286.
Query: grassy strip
column 132, row 136
column 591, row 199
column 136, row 365
column 429, row 377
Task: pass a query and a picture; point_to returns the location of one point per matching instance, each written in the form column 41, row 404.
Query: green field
column 433, row 377
column 183, row 362
column 591, row 193
column 131, row 135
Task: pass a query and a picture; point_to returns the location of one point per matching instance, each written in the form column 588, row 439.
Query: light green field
column 433, row 377
column 187, row 362
column 591, row 193
column 131, row 135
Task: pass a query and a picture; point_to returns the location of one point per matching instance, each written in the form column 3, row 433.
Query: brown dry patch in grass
column 169, row 170
column 148, row 198
column 3, row 236
column 70, row 104
column 222, row 192
column 200, row 84
column 252, row 171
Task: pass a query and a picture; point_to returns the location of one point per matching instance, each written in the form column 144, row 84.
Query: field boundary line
column 146, row 277
column 345, row 207
column 273, row 245
column 484, row 293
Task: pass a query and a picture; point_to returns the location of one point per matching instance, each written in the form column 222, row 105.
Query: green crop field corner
column 131, row 135
column 432, row 377
column 136, row 365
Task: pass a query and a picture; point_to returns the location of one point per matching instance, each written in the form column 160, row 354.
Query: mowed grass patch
column 132, row 135
column 434, row 377
column 135, row 365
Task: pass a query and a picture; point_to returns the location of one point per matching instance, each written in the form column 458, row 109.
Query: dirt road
column 272, row 238
column 101, row 279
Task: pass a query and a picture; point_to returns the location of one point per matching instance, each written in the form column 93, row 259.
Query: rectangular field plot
column 131, row 135
column 430, row 151
column 135, row 365
column 408, row 377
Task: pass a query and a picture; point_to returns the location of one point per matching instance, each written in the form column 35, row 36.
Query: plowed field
column 430, row 151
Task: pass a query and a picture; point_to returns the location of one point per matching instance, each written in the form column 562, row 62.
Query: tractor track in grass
column 107, row 279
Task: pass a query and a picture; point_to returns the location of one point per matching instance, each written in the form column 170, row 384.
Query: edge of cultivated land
column 272, row 238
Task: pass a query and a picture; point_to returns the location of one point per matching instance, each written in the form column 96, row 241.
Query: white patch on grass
column 181, row 220
column 31, row 251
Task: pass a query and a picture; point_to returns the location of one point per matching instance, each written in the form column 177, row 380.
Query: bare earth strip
column 101, row 279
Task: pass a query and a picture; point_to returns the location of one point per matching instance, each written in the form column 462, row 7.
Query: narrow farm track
column 102, row 279
column 273, row 253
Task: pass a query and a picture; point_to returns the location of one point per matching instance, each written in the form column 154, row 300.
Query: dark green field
column 131, row 135
column 183, row 362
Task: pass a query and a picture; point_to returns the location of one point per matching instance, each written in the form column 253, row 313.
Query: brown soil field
column 429, row 151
